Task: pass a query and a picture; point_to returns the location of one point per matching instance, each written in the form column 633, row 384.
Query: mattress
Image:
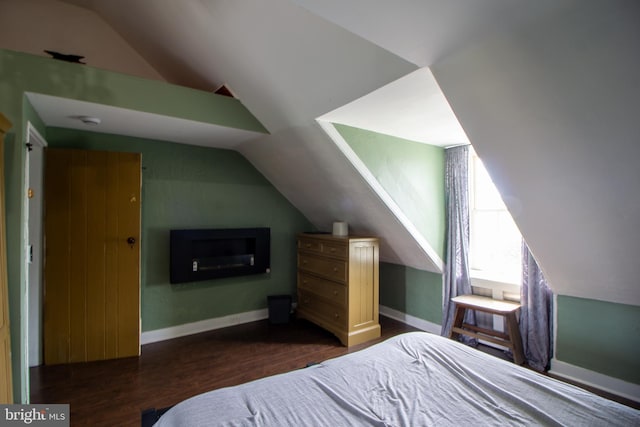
column 413, row 379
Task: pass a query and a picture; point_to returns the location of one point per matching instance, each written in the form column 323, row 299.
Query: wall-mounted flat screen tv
column 214, row 253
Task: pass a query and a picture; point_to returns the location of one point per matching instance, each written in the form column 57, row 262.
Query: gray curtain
column 536, row 313
column 456, row 274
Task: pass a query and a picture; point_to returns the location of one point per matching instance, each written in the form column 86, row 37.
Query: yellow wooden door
column 6, row 390
column 92, row 256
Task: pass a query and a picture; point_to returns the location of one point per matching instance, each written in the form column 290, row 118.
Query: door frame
column 6, row 368
column 34, row 141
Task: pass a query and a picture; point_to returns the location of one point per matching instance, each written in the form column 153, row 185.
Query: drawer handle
column 308, row 245
column 336, row 315
column 333, row 249
column 335, row 269
column 335, row 293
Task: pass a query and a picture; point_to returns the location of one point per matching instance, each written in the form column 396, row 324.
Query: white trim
column 34, row 137
column 484, row 282
column 202, row 326
column 353, row 158
column 595, row 379
column 31, row 136
column 171, row 332
column 554, row 343
column 24, row 298
column 416, row 322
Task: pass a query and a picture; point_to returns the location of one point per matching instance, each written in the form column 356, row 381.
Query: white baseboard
column 595, row 379
column 416, row 322
column 171, row 332
column 202, row 326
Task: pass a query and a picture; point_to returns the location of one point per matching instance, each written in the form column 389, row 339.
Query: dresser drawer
column 317, row 246
column 334, row 292
column 317, row 307
column 310, row 245
column 333, row 269
column 335, row 249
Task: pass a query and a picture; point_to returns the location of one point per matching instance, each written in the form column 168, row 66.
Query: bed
column 413, row 379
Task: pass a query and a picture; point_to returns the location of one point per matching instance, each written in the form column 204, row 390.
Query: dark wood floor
column 113, row 393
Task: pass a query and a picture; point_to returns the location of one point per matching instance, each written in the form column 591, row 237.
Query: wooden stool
column 507, row 309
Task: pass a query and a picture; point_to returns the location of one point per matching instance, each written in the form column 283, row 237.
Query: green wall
column 600, row 336
column 411, row 291
column 21, row 73
column 412, row 173
column 195, row 187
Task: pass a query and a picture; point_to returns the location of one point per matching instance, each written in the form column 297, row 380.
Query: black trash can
column 279, row 308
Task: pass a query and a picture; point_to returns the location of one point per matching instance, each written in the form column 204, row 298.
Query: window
column 495, row 241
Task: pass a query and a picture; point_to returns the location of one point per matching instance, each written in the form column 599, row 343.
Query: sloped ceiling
column 426, row 31
column 34, row 25
column 553, row 111
column 548, row 97
column 412, row 107
column 495, row 60
column 286, row 78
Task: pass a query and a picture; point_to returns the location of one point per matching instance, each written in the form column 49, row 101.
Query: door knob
column 131, row 241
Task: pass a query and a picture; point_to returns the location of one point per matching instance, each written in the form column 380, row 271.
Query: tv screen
column 214, row 253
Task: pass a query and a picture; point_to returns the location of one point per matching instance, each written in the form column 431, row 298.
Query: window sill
column 502, row 289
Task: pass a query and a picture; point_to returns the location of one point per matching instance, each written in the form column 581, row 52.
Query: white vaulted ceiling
column 544, row 90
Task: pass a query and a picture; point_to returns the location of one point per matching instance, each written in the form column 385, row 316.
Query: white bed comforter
column 414, row 379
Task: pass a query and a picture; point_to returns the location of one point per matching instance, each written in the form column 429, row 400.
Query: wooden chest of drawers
column 338, row 285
